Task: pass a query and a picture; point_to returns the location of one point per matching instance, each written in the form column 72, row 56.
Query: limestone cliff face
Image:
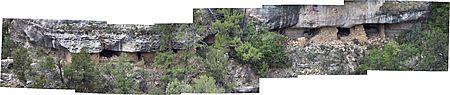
column 354, row 13
column 276, row 17
column 347, row 15
column 73, row 35
column 96, row 36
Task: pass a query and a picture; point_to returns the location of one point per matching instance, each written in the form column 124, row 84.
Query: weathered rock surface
column 10, row 80
column 6, row 64
column 360, row 12
column 323, row 59
column 347, row 15
column 276, row 17
column 242, row 77
column 72, row 35
column 96, row 36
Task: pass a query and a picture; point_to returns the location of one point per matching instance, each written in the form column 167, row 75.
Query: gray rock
column 6, row 64
column 72, row 35
column 247, row 89
column 348, row 15
column 360, row 12
column 321, row 60
column 276, row 17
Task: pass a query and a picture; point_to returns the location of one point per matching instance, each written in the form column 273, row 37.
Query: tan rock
column 325, row 35
column 68, row 57
column 357, row 32
column 95, row 57
column 299, row 42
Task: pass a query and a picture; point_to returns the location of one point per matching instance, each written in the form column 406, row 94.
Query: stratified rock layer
column 360, row 12
column 347, row 15
column 276, row 17
column 72, row 35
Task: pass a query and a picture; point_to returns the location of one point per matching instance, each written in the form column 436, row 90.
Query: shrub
column 48, row 64
column 177, row 87
column 172, row 66
column 166, row 35
column 7, row 42
column 21, row 66
column 122, row 81
column 7, row 46
column 254, row 45
column 216, row 63
column 81, row 73
column 428, row 42
column 435, row 46
column 164, row 59
column 262, row 48
column 40, row 81
column 391, row 57
column 205, row 84
column 228, row 27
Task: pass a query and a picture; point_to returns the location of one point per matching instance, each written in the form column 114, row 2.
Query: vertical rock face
column 72, row 35
column 276, row 17
column 348, row 15
column 360, row 12
column 96, row 36
column 68, row 57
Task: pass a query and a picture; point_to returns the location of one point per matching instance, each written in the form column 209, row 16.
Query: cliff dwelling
column 358, row 33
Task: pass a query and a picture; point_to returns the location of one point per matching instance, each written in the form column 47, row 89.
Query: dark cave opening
column 309, row 33
column 371, row 30
column 140, row 55
column 108, row 54
column 343, row 32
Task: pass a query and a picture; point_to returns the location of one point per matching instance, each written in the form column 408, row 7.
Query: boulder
column 6, row 64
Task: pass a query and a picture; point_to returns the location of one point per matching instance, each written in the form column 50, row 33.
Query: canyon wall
column 96, row 36
column 313, row 30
